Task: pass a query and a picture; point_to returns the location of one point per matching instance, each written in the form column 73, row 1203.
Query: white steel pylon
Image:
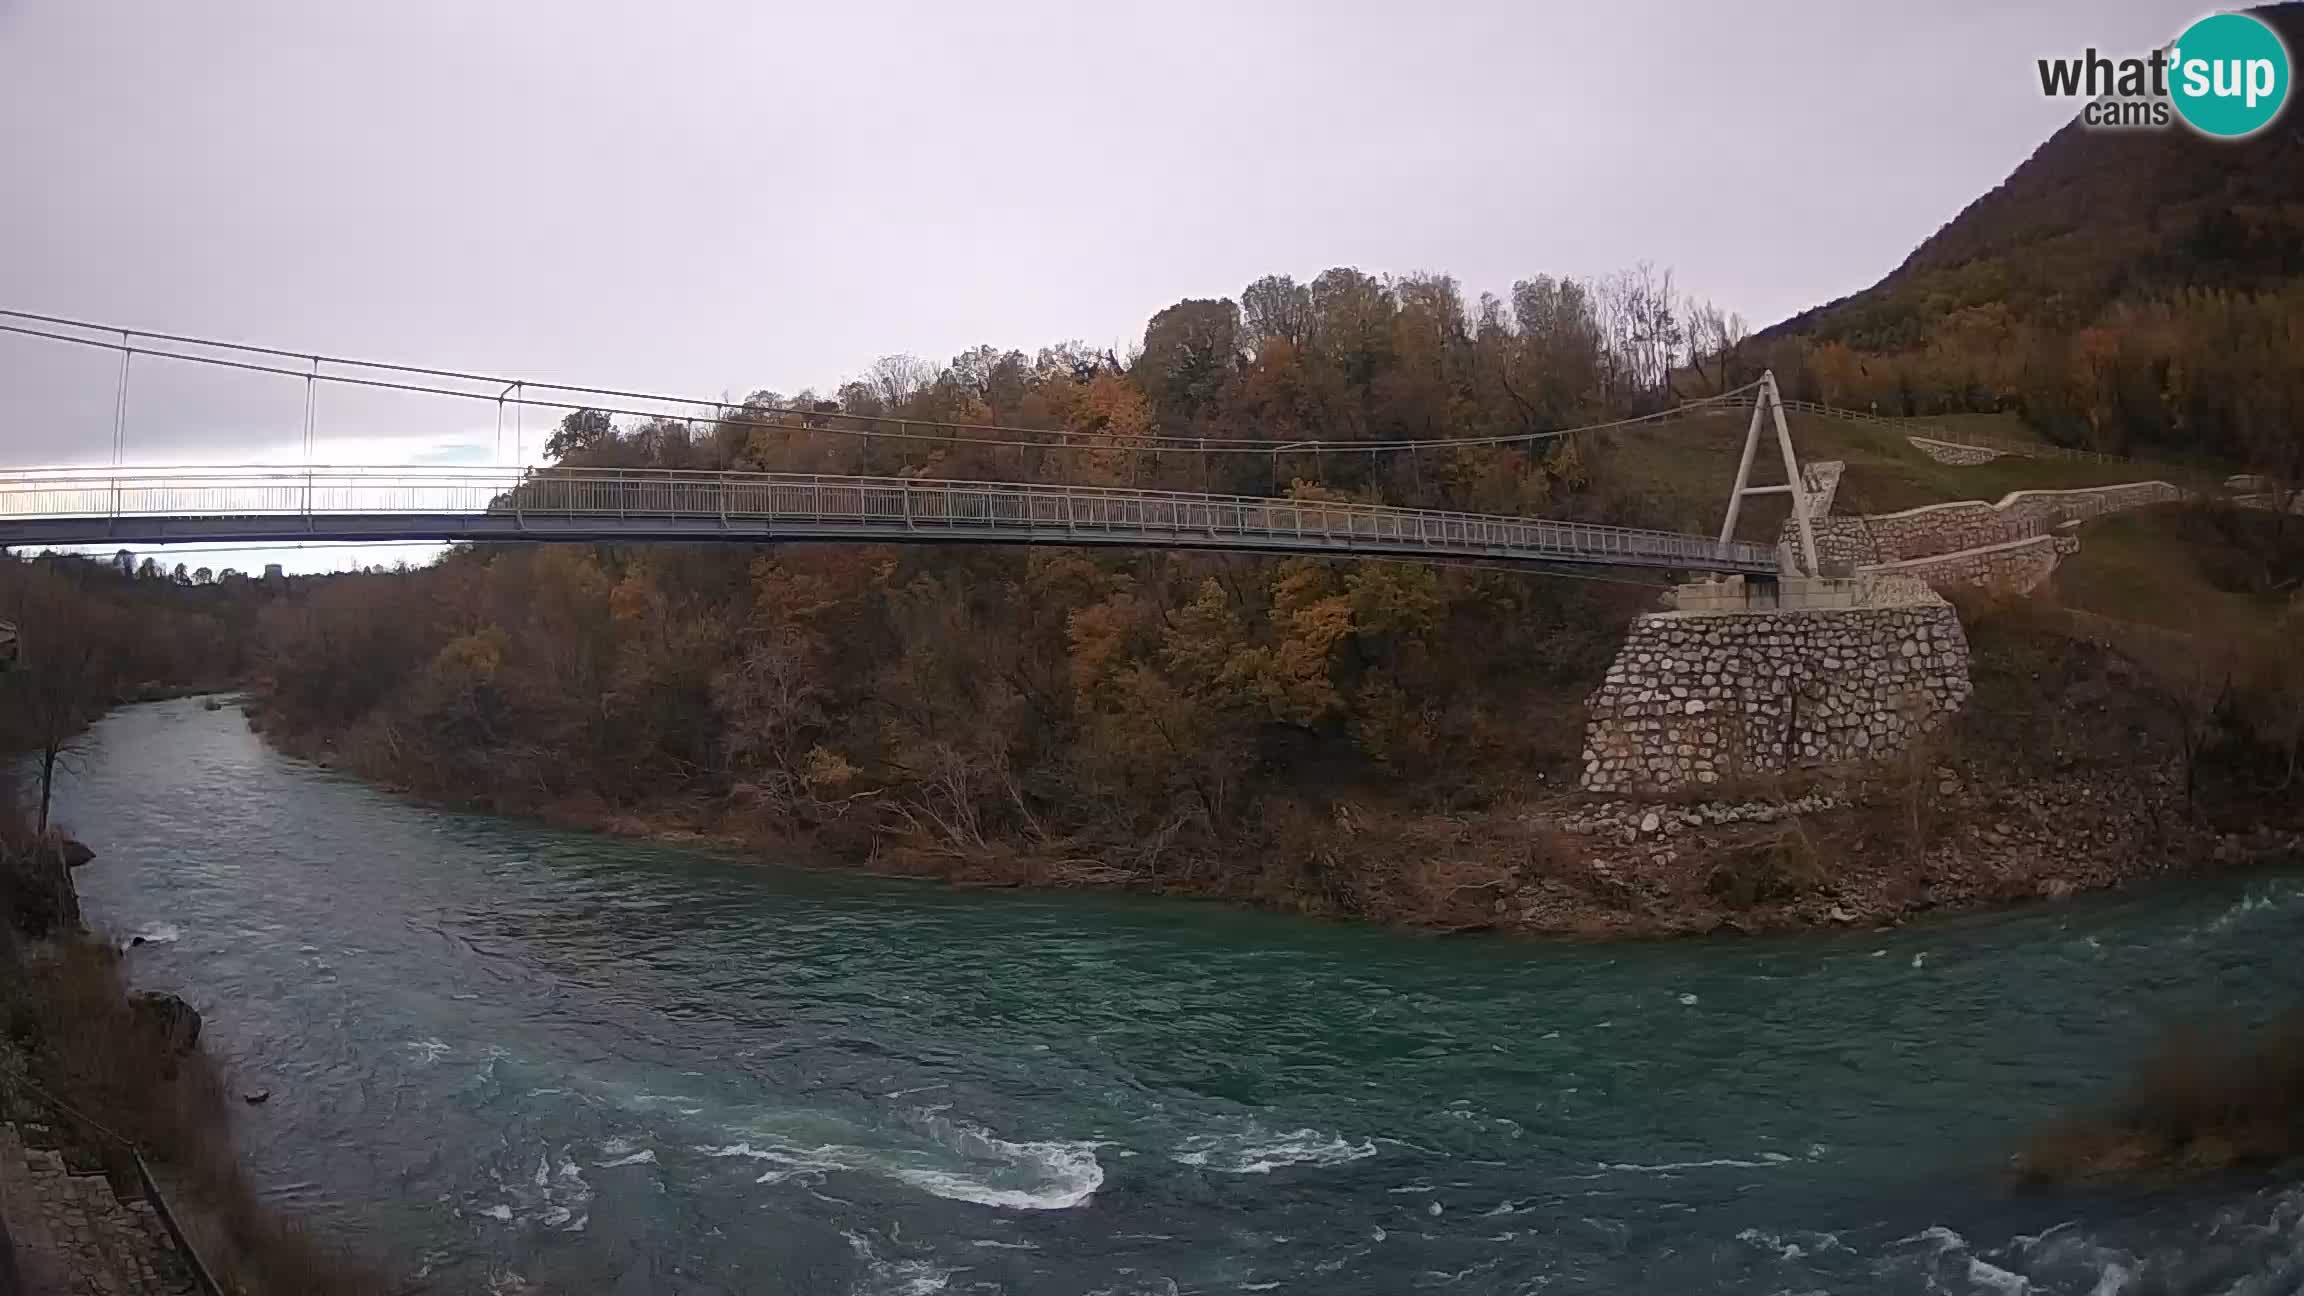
column 1765, row 403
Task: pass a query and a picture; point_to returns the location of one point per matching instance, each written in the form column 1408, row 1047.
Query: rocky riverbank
column 1851, row 852
column 1871, row 854
column 94, row 1075
column 2070, row 768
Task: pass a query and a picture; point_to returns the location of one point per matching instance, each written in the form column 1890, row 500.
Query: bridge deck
column 158, row 506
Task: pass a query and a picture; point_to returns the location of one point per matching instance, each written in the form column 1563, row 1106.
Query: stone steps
column 39, row 1262
column 73, row 1235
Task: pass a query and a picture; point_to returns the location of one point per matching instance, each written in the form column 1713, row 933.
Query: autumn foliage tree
column 90, row 635
column 953, row 707
column 1157, row 716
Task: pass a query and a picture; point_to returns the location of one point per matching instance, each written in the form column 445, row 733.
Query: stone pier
column 1751, row 679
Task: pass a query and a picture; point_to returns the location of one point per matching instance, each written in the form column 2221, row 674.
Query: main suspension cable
column 784, row 417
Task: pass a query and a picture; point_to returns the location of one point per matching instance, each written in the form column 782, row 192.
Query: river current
column 505, row 1058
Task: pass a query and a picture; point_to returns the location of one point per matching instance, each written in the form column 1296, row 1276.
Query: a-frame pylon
column 1767, row 402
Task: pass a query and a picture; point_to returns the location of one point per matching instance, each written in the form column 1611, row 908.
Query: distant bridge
column 158, row 506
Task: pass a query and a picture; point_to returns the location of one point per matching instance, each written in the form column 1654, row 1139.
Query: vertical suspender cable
column 311, row 397
column 509, row 388
column 120, row 421
column 120, row 405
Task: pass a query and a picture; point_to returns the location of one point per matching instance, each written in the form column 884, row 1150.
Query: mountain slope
column 2092, row 217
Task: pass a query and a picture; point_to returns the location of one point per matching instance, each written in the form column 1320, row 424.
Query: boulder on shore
column 73, row 853
column 177, row 1021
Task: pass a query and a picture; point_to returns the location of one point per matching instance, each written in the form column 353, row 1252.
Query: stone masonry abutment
column 1702, row 697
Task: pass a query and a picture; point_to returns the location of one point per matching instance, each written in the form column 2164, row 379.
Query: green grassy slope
column 2196, row 570
column 1677, row 474
column 2006, row 425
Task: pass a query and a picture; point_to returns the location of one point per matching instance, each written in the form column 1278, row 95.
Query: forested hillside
column 2133, row 291
column 90, row 635
column 1143, row 715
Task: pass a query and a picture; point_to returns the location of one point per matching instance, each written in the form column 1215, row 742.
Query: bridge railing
column 240, row 492
column 765, row 502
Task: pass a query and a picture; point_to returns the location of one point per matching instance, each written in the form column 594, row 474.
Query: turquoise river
column 506, row 1059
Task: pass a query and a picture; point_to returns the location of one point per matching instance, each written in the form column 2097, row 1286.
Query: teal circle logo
column 2228, row 75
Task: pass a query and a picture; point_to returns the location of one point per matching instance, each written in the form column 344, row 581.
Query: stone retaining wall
column 1842, row 539
column 2018, row 566
column 2271, row 500
column 1952, row 452
column 2049, row 507
column 1699, row 698
column 1948, row 528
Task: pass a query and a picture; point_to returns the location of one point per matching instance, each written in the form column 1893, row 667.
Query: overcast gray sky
column 718, row 195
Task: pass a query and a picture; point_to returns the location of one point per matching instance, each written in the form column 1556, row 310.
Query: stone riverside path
column 72, row 1235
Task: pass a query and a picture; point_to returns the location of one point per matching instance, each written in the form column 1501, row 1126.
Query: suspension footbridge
column 147, row 506
column 162, row 506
